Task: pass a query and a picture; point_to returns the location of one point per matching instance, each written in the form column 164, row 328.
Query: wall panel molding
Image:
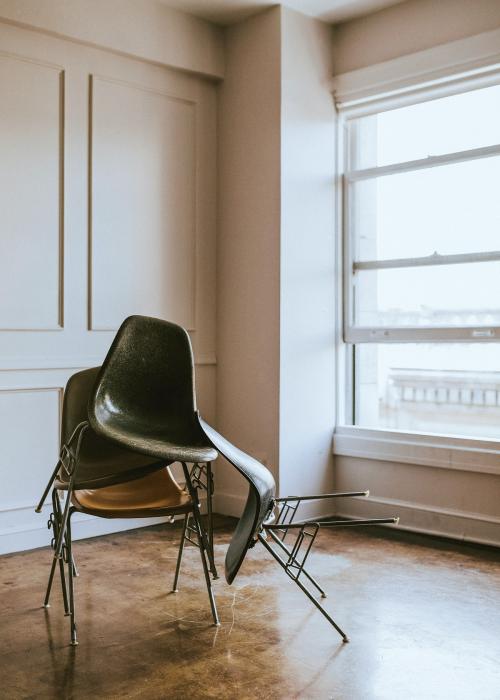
column 46, row 172
column 31, row 418
column 34, row 293
column 179, row 290
column 40, row 364
column 35, row 364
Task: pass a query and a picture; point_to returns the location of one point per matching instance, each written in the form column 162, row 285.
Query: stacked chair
column 124, row 424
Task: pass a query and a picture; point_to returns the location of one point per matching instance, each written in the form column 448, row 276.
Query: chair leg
column 39, row 506
column 202, row 541
column 304, row 571
column 201, row 547
column 196, row 482
column 56, row 524
column 282, row 563
column 210, row 520
column 181, row 550
column 68, row 542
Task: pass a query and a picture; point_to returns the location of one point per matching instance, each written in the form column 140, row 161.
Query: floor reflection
column 421, row 619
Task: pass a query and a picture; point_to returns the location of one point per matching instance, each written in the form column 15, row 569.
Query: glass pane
column 442, row 295
column 449, row 209
column 451, row 389
column 446, row 125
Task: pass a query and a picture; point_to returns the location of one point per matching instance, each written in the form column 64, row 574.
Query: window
column 422, row 265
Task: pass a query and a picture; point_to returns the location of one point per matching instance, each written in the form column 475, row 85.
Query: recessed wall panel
column 31, row 176
column 30, row 436
column 143, row 168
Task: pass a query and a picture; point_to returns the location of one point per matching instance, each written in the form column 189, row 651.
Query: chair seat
column 152, row 495
column 110, row 467
column 192, row 447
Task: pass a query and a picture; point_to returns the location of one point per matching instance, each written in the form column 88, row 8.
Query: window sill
column 446, row 452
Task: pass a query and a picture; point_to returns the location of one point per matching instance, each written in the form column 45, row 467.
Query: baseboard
column 21, row 539
column 34, row 533
column 414, row 517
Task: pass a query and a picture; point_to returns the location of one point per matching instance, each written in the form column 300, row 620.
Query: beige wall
column 145, row 29
column 409, row 27
column 444, row 499
column 85, row 242
column 308, row 262
column 248, row 247
column 454, row 503
column 275, row 257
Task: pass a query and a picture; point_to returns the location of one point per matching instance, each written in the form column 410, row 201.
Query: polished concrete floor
column 423, row 617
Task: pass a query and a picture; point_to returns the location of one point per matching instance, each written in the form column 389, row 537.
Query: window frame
column 351, row 334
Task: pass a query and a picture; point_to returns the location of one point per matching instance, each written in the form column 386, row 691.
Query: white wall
column 248, row 246
column 308, row 261
column 408, row 27
column 276, row 262
column 108, row 208
column 145, row 29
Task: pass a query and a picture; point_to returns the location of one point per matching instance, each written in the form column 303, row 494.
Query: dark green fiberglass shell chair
column 143, row 401
column 106, row 478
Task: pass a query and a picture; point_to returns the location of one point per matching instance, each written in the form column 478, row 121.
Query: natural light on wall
column 422, row 221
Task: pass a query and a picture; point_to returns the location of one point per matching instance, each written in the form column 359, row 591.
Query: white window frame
column 354, row 333
column 347, row 434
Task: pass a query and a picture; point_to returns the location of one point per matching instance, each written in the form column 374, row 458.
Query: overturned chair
column 270, row 520
column 150, row 367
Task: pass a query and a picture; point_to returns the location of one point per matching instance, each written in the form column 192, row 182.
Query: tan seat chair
column 106, row 480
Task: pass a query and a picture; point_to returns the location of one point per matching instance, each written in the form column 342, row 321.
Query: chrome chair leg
column 55, row 522
column 201, row 478
column 210, row 519
column 282, row 563
column 181, row 550
column 202, row 541
column 69, row 555
column 294, row 565
column 304, row 571
column 203, row 554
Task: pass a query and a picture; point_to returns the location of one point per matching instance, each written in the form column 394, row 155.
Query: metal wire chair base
column 294, row 558
column 59, row 522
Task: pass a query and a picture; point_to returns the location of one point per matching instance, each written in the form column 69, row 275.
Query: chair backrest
column 101, row 462
column 146, row 383
column 259, row 503
column 76, row 396
column 146, row 389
